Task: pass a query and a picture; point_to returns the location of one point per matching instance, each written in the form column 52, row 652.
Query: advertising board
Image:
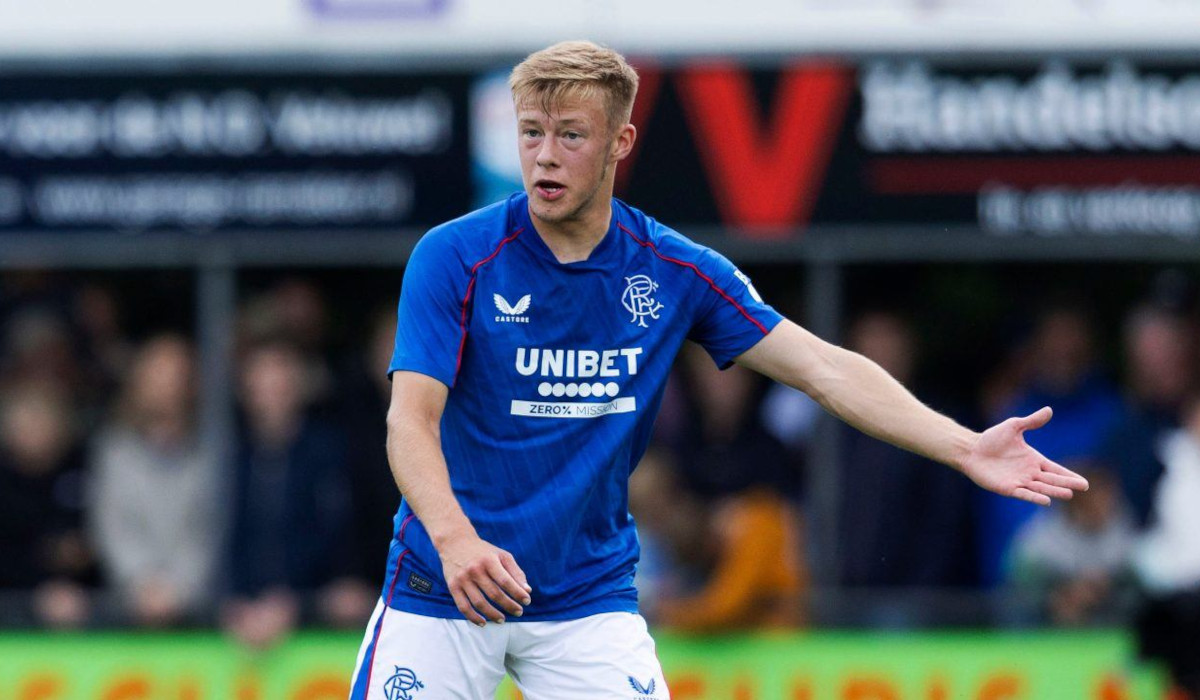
column 814, row 666
column 1050, row 148
column 771, row 151
column 206, row 152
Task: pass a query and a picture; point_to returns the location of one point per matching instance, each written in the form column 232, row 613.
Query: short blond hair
column 576, row 70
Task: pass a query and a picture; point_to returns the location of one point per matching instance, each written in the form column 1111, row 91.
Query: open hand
column 1001, row 461
column 481, row 576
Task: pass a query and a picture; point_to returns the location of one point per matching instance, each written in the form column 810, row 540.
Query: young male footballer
column 535, row 337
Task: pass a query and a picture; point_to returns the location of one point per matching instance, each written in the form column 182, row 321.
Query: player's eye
column 532, row 133
column 573, row 135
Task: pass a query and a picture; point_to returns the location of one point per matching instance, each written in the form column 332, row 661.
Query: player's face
column 567, row 159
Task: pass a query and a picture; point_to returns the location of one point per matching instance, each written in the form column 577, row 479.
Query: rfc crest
column 638, row 299
column 398, row 687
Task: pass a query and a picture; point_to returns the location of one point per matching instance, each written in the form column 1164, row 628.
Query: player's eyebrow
column 570, row 121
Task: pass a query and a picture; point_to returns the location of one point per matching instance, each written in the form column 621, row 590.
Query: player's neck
column 574, row 241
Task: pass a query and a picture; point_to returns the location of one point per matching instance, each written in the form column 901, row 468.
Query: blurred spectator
column 1158, row 353
column 756, row 578
column 59, row 331
column 295, row 310
column 106, row 350
column 39, row 349
column 155, row 501
column 904, row 521
column 363, row 411
column 43, row 549
column 791, row 417
column 672, row 546
column 722, row 446
column 1073, row 561
column 730, row 564
column 1086, row 407
column 291, row 508
column 738, row 543
column 1167, row 561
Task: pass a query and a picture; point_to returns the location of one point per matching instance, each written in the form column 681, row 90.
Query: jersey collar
column 600, row 256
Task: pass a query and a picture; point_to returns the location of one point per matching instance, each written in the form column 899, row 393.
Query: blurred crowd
column 113, row 510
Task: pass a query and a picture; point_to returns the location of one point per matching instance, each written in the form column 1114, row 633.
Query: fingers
column 1077, row 482
column 462, row 602
column 488, row 588
column 510, row 565
column 1073, row 482
column 482, row 604
column 503, row 594
column 1035, row 420
column 1026, row 495
column 513, row 586
column 1050, row 490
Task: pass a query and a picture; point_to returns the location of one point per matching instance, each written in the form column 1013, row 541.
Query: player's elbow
column 797, row 358
column 405, row 425
column 822, row 373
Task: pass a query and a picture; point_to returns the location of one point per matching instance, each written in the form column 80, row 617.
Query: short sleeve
column 430, row 324
column 732, row 317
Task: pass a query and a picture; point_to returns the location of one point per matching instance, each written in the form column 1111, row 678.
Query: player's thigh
column 599, row 657
column 407, row 657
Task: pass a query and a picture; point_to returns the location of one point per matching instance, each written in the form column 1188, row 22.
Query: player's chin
column 550, row 213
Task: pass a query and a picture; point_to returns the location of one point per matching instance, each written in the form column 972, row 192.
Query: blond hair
column 576, row 70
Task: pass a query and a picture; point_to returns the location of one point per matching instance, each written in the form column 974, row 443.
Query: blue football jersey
column 556, row 372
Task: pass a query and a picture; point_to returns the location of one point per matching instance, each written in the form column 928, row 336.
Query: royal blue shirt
column 556, row 372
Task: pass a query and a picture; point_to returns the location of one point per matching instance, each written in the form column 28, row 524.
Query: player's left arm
column 861, row 393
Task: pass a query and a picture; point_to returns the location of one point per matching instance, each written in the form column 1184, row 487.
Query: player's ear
column 623, row 143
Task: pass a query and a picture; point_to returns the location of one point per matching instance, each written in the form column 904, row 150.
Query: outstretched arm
column 480, row 575
column 859, row 392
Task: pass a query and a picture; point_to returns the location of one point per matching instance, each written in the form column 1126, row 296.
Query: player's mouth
column 549, row 190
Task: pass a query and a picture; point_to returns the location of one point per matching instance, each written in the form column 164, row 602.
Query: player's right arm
column 481, row 577
column 430, row 332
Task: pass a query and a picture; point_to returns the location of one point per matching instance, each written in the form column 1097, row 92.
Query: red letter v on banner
column 765, row 175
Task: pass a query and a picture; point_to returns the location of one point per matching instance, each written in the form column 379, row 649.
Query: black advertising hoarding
column 210, row 152
column 1051, row 148
column 1045, row 147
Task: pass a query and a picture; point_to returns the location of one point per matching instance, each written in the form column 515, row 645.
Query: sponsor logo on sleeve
column 749, row 285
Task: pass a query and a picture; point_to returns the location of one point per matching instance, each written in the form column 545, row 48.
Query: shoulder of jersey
column 666, row 241
column 473, row 236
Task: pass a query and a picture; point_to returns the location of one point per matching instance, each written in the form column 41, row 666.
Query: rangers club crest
column 398, row 687
column 638, row 299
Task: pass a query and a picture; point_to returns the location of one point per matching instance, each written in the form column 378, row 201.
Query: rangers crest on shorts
column 402, row 681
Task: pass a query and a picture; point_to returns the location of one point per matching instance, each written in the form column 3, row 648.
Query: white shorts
column 413, row 657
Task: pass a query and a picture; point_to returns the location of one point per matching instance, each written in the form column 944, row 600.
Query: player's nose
column 547, row 155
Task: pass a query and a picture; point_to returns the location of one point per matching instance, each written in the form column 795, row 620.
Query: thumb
column 1035, row 420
